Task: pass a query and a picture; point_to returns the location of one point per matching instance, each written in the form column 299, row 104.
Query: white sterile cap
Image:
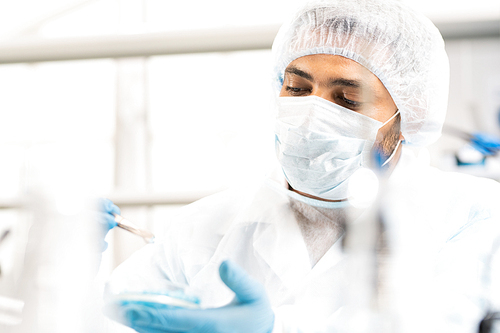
column 398, row 45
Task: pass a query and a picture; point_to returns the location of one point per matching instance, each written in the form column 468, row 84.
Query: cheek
column 382, row 114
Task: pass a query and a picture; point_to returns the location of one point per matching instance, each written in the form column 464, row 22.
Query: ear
column 401, row 137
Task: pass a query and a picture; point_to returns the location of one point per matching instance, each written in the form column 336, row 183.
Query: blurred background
column 154, row 104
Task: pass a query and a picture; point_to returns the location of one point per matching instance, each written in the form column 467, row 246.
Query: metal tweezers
column 129, row 226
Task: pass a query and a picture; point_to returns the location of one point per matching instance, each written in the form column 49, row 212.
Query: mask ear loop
column 399, row 141
column 392, row 117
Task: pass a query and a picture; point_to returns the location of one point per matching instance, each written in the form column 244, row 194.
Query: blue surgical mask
column 320, row 144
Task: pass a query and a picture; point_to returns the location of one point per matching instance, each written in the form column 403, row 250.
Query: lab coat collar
column 413, row 167
column 281, row 244
column 411, row 160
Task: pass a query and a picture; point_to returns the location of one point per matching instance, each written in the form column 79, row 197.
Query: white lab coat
column 256, row 228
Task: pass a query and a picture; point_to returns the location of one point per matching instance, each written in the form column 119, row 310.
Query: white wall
column 474, row 101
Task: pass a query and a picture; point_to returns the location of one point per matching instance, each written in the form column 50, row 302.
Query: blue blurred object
column 176, row 299
column 162, row 293
column 487, row 144
column 462, row 163
column 378, row 158
column 468, row 155
column 250, row 312
column 106, row 218
column 108, row 208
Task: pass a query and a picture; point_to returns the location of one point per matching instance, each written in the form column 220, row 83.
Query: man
column 353, row 78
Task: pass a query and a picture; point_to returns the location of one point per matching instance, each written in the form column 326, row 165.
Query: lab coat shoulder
column 471, row 204
column 476, row 198
column 446, row 204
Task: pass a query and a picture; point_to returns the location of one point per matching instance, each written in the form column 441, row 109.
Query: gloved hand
column 106, row 218
column 250, row 313
column 485, row 143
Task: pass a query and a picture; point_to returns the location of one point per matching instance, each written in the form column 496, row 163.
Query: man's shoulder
column 478, row 197
column 456, row 195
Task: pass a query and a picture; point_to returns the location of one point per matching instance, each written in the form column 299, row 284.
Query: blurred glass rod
column 129, row 226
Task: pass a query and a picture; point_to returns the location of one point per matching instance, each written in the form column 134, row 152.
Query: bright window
column 211, row 119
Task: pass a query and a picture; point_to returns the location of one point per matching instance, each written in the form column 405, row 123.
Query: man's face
column 348, row 84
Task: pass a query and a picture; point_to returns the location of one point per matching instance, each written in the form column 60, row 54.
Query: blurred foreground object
column 54, row 291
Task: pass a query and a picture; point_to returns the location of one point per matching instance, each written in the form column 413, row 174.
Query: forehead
column 326, row 67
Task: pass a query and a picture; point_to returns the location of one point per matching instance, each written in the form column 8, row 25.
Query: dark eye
column 296, row 91
column 349, row 103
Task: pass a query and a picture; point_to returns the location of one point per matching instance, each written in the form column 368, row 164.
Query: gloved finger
column 115, row 312
column 145, row 329
column 106, row 220
column 108, row 206
column 247, row 289
column 137, row 316
column 485, row 143
column 167, row 319
column 487, row 139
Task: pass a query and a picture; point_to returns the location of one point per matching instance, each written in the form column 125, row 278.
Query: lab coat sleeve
column 192, row 240
column 149, row 267
column 141, row 271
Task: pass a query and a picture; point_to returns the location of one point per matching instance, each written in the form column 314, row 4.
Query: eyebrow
column 335, row 82
column 346, row 83
column 298, row 72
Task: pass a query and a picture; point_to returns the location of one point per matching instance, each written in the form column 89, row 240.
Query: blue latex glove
column 106, row 218
column 485, row 143
column 250, row 313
